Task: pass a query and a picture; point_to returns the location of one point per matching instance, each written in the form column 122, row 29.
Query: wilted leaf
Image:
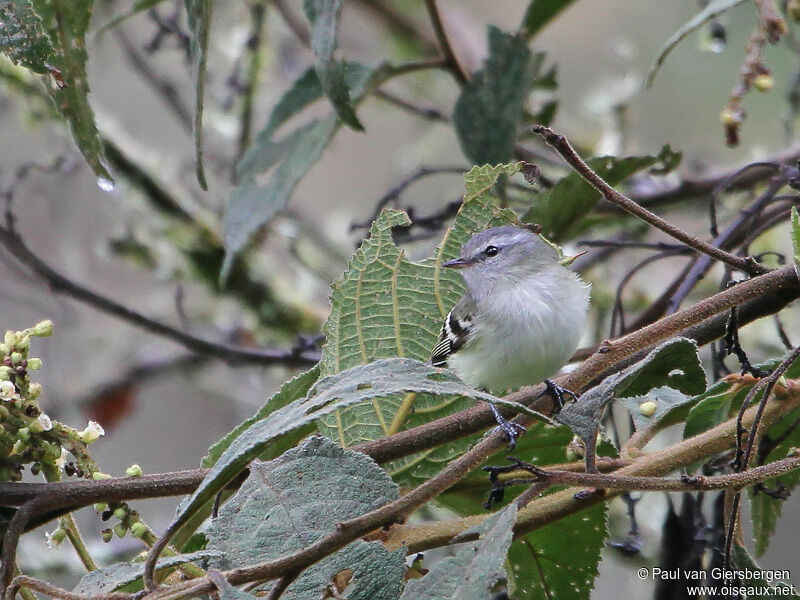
column 290, row 502
column 539, row 14
column 22, row 38
column 796, row 239
column 65, row 22
column 766, row 509
column 324, row 18
column 475, row 569
column 108, row 579
column 562, row 209
column 673, row 364
column 199, row 13
column 386, row 306
column 292, row 390
column 488, row 112
column 559, row 560
column 710, row 11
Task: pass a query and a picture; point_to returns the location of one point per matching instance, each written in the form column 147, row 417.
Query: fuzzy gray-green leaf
column 488, row 112
column 476, row 567
column 199, row 13
column 290, row 502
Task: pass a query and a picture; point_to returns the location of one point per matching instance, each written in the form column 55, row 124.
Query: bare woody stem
column 561, row 145
column 444, row 43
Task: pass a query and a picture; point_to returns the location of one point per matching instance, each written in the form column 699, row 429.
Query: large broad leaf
column 539, row 14
column 108, row 579
column 290, row 391
column 673, row 364
column 710, row 11
column 324, row 18
column 290, row 502
column 562, row 209
column 488, row 112
column 65, row 23
column 199, row 12
column 271, row 169
column 386, row 306
column 765, row 508
column 22, row 38
column 283, row 427
column 475, row 570
column 559, row 560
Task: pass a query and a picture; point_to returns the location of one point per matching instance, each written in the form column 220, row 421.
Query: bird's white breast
column 525, row 334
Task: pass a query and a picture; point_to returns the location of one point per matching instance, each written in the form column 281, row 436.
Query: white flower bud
column 45, row 422
column 92, row 432
column 43, row 328
column 8, row 390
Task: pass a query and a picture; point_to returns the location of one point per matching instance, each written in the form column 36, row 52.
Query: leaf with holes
column 289, row 503
column 488, row 112
column 476, row 567
column 65, row 23
column 22, row 38
column 199, row 13
column 765, row 507
column 539, row 14
column 558, row 560
column 674, row 364
column 710, row 11
column 386, row 306
column 129, row 575
column 324, row 18
column 562, row 209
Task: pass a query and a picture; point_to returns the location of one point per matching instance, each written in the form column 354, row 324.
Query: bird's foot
column 509, row 428
column 558, row 393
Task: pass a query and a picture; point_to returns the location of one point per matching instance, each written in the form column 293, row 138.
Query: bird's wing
column 455, row 332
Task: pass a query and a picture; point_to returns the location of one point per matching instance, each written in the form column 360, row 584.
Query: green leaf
column 488, row 112
column 666, row 400
column 324, row 18
column 475, row 569
column 710, row 11
column 539, row 14
column 762, row 588
column 199, row 13
column 766, row 510
column 796, row 239
column 290, row 391
column 22, row 38
column 108, row 579
column 386, row 306
column 284, row 509
column 673, row 364
column 65, row 23
column 138, row 6
column 270, row 170
column 562, row 209
column 559, row 560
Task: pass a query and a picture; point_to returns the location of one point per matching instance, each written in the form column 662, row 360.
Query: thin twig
column 444, row 43
column 567, row 152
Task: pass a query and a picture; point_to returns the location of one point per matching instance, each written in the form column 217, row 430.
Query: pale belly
column 523, row 340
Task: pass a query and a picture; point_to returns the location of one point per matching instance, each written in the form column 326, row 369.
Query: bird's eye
column 491, row 250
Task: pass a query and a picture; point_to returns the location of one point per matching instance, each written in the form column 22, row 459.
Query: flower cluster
column 28, row 436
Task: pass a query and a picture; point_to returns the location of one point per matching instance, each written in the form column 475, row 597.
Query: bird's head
column 504, row 253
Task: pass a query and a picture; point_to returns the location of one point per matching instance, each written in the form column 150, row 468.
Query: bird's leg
column 511, row 429
column 558, row 393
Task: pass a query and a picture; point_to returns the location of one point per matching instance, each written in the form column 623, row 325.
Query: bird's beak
column 457, row 263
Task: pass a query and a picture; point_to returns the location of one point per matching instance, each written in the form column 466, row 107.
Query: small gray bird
column 520, row 319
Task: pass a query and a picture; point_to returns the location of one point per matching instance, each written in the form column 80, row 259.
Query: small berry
column 763, row 82
column 120, row 529
column 729, row 118
column 100, row 507
column 648, row 409
column 134, row 471
column 138, row 529
column 120, row 513
column 54, row 539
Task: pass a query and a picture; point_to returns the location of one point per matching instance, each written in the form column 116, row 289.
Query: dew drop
column 105, row 184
